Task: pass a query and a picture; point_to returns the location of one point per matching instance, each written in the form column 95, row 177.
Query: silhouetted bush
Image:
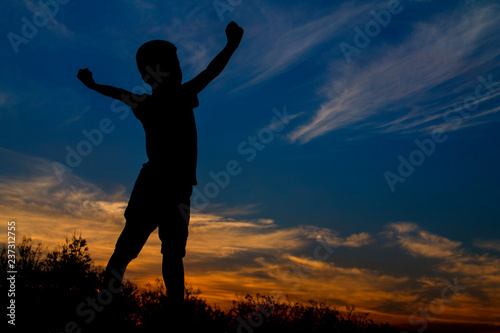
column 61, row 292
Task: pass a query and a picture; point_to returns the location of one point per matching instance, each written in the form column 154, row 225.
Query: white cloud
column 281, row 38
column 401, row 77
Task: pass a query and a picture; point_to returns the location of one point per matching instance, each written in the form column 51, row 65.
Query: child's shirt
column 171, row 137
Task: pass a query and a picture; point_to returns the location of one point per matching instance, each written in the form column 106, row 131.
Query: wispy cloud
column 7, row 100
column 3, row 98
column 228, row 255
column 54, row 24
column 422, row 243
column 488, row 244
column 289, row 39
column 479, row 273
column 414, row 75
column 277, row 37
column 144, row 4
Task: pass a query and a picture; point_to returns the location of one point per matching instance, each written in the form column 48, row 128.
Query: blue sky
column 427, row 72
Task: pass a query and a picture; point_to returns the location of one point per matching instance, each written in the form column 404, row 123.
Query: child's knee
column 174, row 248
column 126, row 253
column 173, row 255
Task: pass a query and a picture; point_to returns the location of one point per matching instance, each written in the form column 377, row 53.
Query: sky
column 349, row 152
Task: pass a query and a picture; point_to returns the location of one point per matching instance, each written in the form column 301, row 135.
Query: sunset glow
column 348, row 154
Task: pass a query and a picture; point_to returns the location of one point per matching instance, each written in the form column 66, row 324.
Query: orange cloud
column 229, row 256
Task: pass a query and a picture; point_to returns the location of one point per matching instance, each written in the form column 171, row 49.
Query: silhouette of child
column 161, row 195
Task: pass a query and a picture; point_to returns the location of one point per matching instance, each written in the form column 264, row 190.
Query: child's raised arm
column 234, row 34
column 117, row 93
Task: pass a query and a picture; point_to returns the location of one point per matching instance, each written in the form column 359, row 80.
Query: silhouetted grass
column 60, row 292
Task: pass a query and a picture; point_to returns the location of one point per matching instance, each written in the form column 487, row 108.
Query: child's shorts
column 156, row 202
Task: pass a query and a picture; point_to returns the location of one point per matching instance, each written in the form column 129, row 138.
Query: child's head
column 159, row 56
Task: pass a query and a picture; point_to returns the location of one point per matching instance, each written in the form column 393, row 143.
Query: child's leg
column 140, row 224
column 127, row 248
column 173, row 233
column 173, row 276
